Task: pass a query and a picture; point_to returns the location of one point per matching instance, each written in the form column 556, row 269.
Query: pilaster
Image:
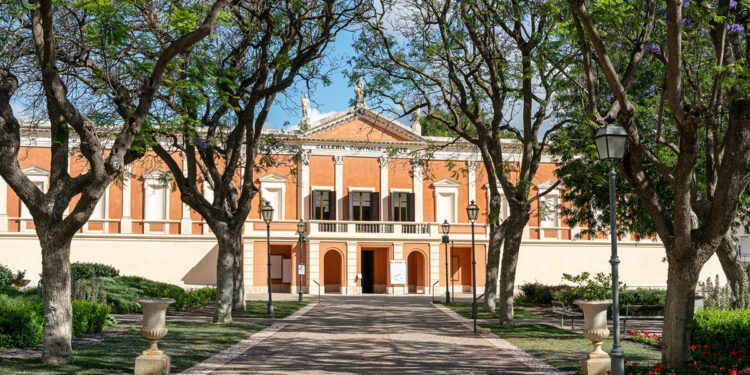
column 339, row 176
column 247, row 266
column 186, row 224
column 435, row 267
column 126, row 223
column 313, row 265
column 351, row 270
column 472, row 165
column 417, row 187
column 398, row 254
column 303, row 187
column 384, row 192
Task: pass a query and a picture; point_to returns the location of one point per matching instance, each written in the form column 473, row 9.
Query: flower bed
column 645, row 337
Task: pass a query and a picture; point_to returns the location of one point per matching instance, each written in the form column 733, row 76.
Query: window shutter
column 410, row 207
column 374, row 206
column 331, row 205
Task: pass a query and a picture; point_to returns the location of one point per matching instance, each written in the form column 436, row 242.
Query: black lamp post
column 267, row 212
column 453, row 282
column 301, row 232
column 446, row 229
column 472, row 211
column 610, row 142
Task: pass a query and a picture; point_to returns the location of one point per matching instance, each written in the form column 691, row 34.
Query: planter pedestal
column 153, row 361
column 595, row 329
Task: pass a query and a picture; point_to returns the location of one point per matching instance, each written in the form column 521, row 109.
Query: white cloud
column 316, row 115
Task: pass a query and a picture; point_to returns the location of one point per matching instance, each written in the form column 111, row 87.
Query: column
column 384, row 193
column 351, row 269
column 247, row 267
column 339, row 171
column 435, row 267
column 313, row 265
column 186, row 224
column 417, row 187
column 126, row 223
column 3, row 205
column 303, row 187
column 472, row 181
column 398, row 253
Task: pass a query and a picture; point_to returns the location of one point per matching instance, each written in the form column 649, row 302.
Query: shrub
column 89, row 317
column 5, row 276
column 538, row 293
column 642, row 297
column 723, row 331
column 21, row 321
column 81, row 270
column 122, row 291
column 585, row 288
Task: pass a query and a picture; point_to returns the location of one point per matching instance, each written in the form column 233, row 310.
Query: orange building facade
column 372, row 216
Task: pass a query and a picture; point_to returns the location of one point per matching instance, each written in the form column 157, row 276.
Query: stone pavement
column 375, row 335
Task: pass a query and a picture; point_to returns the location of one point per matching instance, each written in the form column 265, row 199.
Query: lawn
column 464, row 309
column 259, row 309
column 564, row 349
column 187, row 344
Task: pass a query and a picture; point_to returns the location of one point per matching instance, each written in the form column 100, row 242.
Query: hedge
column 538, row 293
column 5, row 276
column 22, row 320
column 723, row 331
column 81, row 270
column 123, row 290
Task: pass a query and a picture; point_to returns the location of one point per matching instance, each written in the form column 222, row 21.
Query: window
column 274, row 197
column 548, row 212
column 25, row 213
column 156, row 200
column 364, row 206
column 403, row 206
column 100, row 211
column 324, row 203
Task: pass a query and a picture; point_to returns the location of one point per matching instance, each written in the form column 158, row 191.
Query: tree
column 63, row 48
column 472, row 64
column 703, row 82
column 216, row 104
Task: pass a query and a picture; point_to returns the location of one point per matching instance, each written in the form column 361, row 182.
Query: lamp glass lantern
column 472, row 211
column 301, row 227
column 610, row 141
column 267, row 212
column 445, row 227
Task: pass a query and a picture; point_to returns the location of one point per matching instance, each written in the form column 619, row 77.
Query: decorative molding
column 446, row 183
column 35, row 171
column 338, row 160
column 321, row 188
column 273, row 177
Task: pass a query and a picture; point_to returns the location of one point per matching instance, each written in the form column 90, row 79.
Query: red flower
column 722, row 369
column 712, row 367
column 635, row 364
column 739, row 359
column 693, row 347
column 706, row 353
column 705, row 346
column 632, row 332
column 651, row 373
column 609, row 372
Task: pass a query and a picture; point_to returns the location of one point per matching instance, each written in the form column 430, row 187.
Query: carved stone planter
column 153, row 360
column 595, row 329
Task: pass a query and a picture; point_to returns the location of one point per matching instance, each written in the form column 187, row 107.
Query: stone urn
column 153, row 360
column 595, row 329
column 20, row 283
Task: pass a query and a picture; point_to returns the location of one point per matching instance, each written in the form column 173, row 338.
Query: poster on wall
column 398, row 272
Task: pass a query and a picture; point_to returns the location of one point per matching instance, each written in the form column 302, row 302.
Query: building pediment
column 447, row 183
column 272, row 177
column 35, row 171
column 362, row 123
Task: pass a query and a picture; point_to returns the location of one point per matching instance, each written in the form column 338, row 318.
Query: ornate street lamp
column 301, row 227
column 446, row 229
column 472, row 211
column 266, row 212
column 610, row 142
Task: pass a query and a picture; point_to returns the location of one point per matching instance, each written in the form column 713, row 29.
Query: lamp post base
column 618, row 362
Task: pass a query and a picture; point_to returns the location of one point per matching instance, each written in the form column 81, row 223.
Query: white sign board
column 301, row 269
column 398, row 272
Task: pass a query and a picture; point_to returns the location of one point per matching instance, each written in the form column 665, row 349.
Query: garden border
column 527, row 359
column 227, row 355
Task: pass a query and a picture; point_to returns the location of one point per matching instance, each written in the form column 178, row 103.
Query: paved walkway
column 375, row 334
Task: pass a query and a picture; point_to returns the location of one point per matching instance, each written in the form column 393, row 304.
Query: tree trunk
column 228, row 245
column 493, row 264
column 58, row 310
column 682, row 279
column 238, row 293
column 729, row 257
column 511, row 248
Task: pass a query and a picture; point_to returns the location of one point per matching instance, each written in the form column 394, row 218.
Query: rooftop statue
column 359, row 92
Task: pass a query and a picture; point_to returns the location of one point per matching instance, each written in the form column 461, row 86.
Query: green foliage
column 21, row 321
column 586, row 288
column 5, row 276
column 722, row 331
column 717, row 297
column 89, row 317
column 123, row 290
column 539, row 294
column 81, row 270
column 641, row 297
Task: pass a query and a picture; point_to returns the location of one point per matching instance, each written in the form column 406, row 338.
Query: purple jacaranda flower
column 609, row 97
column 735, row 28
column 703, row 31
column 616, row 44
column 686, row 21
column 685, row 3
column 652, row 47
column 732, row 3
column 710, row 6
column 200, row 142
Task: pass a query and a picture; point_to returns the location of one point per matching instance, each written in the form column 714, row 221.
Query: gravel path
column 375, row 334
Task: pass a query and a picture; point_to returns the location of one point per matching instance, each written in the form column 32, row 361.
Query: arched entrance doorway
column 415, row 264
column 332, row 272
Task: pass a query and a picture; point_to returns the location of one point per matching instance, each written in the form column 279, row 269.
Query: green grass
column 464, row 309
column 259, row 309
column 186, row 343
column 564, row 349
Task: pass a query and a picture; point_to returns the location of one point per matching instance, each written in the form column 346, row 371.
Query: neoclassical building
column 372, row 217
